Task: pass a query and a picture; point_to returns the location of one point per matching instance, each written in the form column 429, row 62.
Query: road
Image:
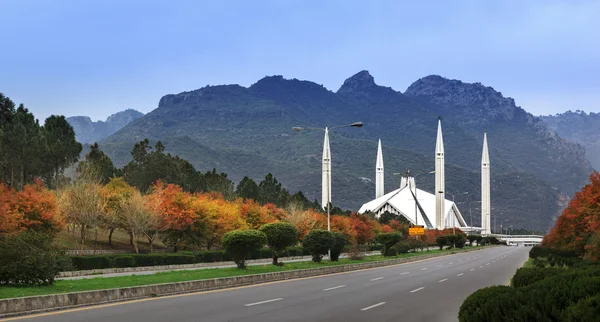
column 428, row 290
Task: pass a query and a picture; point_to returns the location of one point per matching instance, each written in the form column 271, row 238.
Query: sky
column 99, row 57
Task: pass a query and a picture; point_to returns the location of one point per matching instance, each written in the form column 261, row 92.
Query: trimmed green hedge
column 159, row 259
column 527, row 276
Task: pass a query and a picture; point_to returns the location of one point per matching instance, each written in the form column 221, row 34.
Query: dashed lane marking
column 264, row 302
column 373, row 306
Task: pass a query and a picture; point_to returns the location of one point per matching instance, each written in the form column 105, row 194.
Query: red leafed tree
column 364, row 228
column 10, row 221
column 578, row 227
column 344, row 226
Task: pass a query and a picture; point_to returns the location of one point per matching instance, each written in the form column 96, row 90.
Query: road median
column 42, row 303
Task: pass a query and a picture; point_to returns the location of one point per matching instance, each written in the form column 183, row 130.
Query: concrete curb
column 44, row 303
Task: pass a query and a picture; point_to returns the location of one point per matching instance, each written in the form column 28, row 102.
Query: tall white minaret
column 485, row 188
column 379, row 191
column 440, row 186
column 326, row 180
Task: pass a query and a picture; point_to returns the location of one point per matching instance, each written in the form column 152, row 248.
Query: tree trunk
column 82, row 236
column 95, row 239
column 150, row 240
column 110, row 232
column 131, row 239
column 275, row 259
column 135, row 245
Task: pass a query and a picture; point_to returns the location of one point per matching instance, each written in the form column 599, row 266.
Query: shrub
column 388, row 240
column 318, row 242
column 124, row 261
column 163, row 259
column 441, row 241
column 403, row 247
column 30, row 258
column 240, row 243
column 82, row 263
column 338, row 245
column 537, row 251
column 392, row 251
column 495, row 303
column 471, row 239
column 375, row 247
column 585, row 310
column 280, row 235
column 527, row 276
column 460, row 242
column 212, row 256
column 295, row 251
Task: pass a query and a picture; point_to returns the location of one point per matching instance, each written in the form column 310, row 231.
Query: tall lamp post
column 470, row 213
column 454, row 216
column 327, row 164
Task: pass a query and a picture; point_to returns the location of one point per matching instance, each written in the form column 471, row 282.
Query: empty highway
column 428, row 290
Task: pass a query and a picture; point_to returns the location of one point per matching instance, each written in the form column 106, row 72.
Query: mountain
column 579, row 127
column 247, row 131
column 87, row 131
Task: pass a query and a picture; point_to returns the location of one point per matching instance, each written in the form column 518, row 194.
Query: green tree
column 388, row 240
column 318, row 242
column 241, row 243
column 220, row 183
column 280, row 236
column 339, row 242
column 441, row 241
column 270, row 191
column 247, row 189
column 62, row 150
column 96, row 161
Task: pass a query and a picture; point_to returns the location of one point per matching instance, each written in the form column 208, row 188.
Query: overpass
column 525, row 240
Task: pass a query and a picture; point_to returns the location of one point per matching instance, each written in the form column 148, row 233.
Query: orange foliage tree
column 34, row 207
column 578, row 227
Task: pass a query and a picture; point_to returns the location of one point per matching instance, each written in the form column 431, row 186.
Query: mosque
column 431, row 210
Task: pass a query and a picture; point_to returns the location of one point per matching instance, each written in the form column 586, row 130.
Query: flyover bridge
column 525, row 240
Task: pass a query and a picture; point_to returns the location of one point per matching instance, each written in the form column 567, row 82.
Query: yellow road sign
column 416, row 231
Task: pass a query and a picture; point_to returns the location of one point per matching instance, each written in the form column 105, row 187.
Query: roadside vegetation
column 561, row 279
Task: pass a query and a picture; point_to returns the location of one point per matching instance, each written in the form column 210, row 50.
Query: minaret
column 440, row 196
column 379, row 191
column 485, row 188
column 326, row 181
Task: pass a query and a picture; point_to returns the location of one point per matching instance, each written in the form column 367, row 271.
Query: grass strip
column 67, row 286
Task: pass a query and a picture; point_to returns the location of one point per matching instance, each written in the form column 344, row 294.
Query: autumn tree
column 115, row 194
column 140, row 219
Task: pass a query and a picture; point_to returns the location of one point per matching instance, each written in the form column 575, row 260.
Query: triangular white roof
column 402, row 202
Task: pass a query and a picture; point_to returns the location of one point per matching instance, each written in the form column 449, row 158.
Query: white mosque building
column 433, row 211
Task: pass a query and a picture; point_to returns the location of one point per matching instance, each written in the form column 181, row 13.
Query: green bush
column 124, row 261
column 280, row 236
column 338, row 245
column 460, row 242
column 163, row 259
column 212, row 256
column 441, row 241
column 527, row 276
column 392, row 251
column 403, row 247
column 82, row 263
column 585, row 310
column 318, row 242
column 241, row 243
column 30, row 258
column 471, row 239
column 388, row 240
column 495, row 304
column 295, row 251
column 375, row 247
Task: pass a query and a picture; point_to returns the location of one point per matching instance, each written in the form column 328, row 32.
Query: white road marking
column 451, row 263
column 440, row 265
column 487, row 264
column 263, row 302
column 405, row 273
column 440, row 281
column 460, row 274
column 472, row 269
column 372, row 306
column 335, row 287
column 416, row 290
column 376, row 279
column 480, row 266
column 460, row 260
column 424, row 268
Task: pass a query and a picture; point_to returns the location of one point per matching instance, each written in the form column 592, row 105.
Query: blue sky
column 99, row 57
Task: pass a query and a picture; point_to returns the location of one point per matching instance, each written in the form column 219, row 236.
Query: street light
column 454, row 216
column 327, row 129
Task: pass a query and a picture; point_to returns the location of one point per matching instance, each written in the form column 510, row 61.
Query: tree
column 115, row 192
column 83, row 205
column 318, row 242
column 270, row 190
column 97, row 161
column 30, row 258
column 247, row 188
column 388, row 240
column 339, row 242
column 280, row 236
column 220, row 183
column 471, row 239
column 140, row 219
column 241, row 243
column 441, row 241
column 62, row 150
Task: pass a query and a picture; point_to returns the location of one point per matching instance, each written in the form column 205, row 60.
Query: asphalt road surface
column 428, row 290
